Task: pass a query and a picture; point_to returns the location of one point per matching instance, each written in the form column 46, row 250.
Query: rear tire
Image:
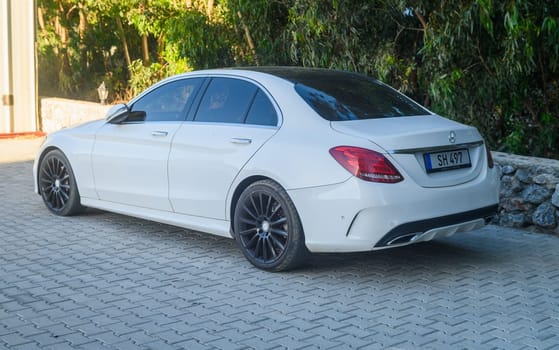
column 268, row 228
column 57, row 185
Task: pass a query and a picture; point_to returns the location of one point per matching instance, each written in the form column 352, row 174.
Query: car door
column 129, row 159
column 234, row 119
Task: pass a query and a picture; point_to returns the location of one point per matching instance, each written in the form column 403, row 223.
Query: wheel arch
column 290, row 250
column 237, row 194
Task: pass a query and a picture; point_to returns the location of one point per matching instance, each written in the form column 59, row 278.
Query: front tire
column 57, row 185
column 268, row 228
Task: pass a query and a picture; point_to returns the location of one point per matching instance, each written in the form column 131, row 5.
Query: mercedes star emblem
column 452, row 137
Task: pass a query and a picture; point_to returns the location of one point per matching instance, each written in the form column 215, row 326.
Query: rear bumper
column 426, row 230
column 360, row 216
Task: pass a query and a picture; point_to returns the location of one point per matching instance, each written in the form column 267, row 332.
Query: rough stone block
column 546, row 180
column 508, row 169
column 510, row 185
column 535, row 194
column 544, row 216
column 513, row 220
column 516, row 204
column 524, row 176
column 555, row 197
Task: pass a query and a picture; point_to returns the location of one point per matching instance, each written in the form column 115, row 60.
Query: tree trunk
column 248, row 37
column 41, row 20
column 122, row 35
column 160, row 46
column 145, row 50
column 210, row 8
column 82, row 28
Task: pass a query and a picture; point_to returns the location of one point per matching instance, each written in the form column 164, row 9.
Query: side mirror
column 136, row 116
column 117, row 114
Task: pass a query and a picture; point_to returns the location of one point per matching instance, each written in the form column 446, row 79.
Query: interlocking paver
column 161, row 345
column 191, row 344
column 101, row 280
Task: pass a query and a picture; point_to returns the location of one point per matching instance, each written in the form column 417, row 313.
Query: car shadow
column 429, row 255
column 482, row 249
column 495, row 249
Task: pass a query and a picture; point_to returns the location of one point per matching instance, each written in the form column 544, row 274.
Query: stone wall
column 58, row 113
column 529, row 192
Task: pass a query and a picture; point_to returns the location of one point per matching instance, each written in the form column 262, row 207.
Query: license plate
column 447, row 160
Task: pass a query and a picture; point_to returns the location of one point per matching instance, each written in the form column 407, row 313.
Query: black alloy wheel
column 57, row 185
column 268, row 228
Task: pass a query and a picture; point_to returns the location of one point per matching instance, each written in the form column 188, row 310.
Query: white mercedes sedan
column 284, row 160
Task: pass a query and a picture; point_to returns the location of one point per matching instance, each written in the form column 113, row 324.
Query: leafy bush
column 493, row 64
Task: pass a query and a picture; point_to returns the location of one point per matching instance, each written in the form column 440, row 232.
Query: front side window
column 226, row 100
column 166, row 103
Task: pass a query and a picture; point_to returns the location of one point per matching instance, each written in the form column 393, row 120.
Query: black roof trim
column 296, row 73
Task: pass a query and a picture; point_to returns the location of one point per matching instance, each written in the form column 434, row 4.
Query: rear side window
column 262, row 111
column 226, row 100
column 352, row 97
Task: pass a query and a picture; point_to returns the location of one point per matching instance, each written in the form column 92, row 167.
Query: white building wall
column 18, row 82
column 6, row 109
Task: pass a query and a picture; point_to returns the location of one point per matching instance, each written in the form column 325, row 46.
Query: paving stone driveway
column 103, row 280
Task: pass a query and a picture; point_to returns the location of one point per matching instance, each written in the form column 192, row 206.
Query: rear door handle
column 241, row 141
column 159, row 133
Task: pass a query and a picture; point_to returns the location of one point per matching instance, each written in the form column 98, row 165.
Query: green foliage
column 378, row 37
column 507, row 54
column 331, row 34
column 205, row 44
column 141, row 77
column 265, row 21
column 493, row 64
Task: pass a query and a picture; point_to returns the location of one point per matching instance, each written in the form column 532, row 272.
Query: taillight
column 366, row 164
column 490, row 163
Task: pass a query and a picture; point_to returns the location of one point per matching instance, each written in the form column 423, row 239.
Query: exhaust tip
column 403, row 239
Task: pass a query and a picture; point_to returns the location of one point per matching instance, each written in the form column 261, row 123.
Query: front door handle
column 159, row 133
column 241, row 141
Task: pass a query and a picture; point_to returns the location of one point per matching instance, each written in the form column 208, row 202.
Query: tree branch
column 124, row 41
column 249, row 38
column 421, row 19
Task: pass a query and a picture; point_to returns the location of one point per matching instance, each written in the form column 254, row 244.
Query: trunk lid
column 424, row 147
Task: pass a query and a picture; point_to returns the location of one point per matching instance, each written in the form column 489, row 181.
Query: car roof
column 291, row 74
column 296, row 74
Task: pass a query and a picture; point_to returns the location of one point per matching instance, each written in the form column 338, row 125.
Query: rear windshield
column 351, row 96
